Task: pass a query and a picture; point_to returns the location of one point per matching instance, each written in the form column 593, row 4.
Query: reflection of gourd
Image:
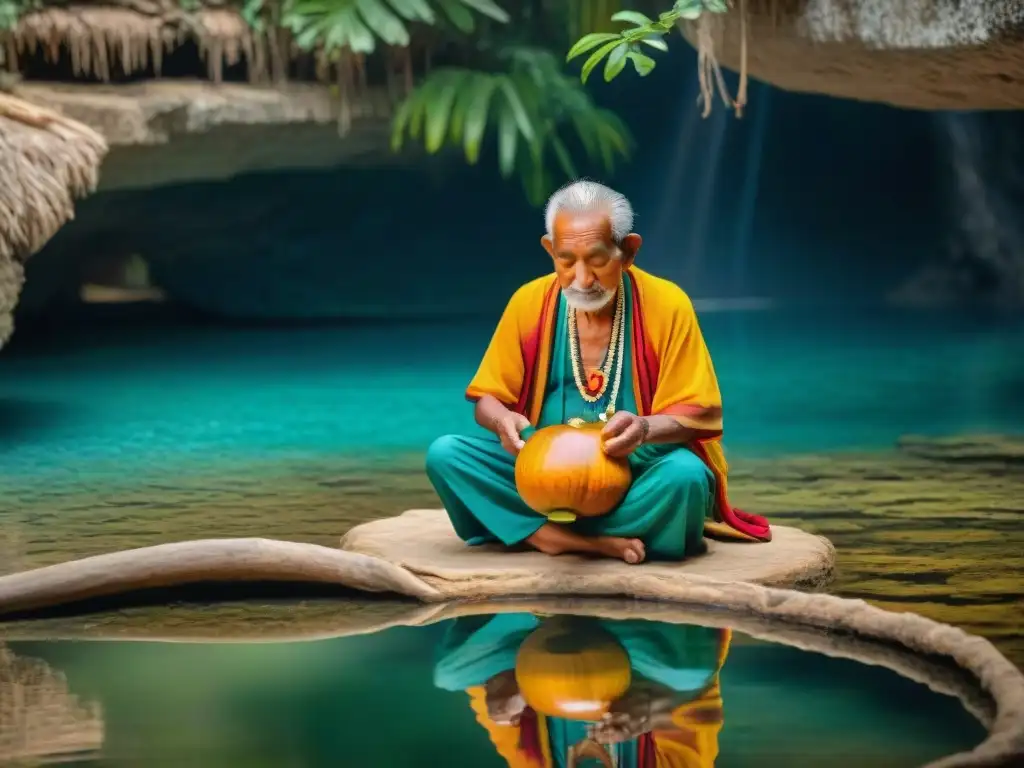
column 572, row 670
column 563, row 472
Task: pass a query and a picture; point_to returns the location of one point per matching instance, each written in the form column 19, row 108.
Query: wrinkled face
column 588, row 262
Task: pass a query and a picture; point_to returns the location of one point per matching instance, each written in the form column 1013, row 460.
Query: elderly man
column 599, row 339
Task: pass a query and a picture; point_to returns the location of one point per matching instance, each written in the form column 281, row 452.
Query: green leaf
column 457, row 122
column 586, row 134
column 596, row 56
column 587, row 42
column 348, row 30
column 439, row 107
column 716, row 6
column 656, row 42
column 518, row 109
column 632, row 17
column 535, row 178
column 613, row 133
column 251, row 10
column 564, row 160
column 686, row 6
column 420, row 99
column 459, row 15
column 398, row 124
column 688, row 9
column 306, row 39
column 508, row 139
column 414, row 10
column 641, row 63
column 488, row 8
column 383, row 22
column 616, row 62
column 477, row 111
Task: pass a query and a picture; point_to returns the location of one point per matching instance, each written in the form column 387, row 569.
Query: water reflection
column 40, row 719
column 575, row 691
column 526, row 690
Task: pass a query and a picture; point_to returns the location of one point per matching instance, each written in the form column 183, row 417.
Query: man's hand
column 628, row 719
column 505, row 705
column 509, row 428
column 644, row 708
column 624, row 433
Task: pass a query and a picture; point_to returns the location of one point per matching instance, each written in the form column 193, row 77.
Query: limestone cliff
column 174, row 131
column 918, row 54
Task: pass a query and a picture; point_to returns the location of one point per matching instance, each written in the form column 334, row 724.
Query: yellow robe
column 672, row 374
column 692, row 743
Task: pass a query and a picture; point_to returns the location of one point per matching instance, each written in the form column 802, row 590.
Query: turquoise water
column 396, row 698
column 131, row 393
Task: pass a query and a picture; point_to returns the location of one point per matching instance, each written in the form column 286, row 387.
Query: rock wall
column 793, row 203
column 173, row 131
column 919, row 54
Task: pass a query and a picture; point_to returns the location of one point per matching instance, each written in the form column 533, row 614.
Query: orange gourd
column 563, row 472
column 572, row 669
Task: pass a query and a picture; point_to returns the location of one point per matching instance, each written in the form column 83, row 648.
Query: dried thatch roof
column 920, row 54
column 104, row 39
column 39, row 718
column 46, row 162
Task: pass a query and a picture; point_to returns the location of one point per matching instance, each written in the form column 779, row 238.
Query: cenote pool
column 132, row 394
column 122, row 428
column 476, row 690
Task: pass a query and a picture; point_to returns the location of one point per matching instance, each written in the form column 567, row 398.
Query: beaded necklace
column 593, row 386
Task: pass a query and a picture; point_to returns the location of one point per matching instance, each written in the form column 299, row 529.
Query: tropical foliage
column 643, row 34
column 359, row 25
column 629, row 44
column 12, row 10
column 506, row 87
column 530, row 105
column 489, row 81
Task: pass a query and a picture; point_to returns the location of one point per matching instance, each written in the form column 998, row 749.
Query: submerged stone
column 422, row 541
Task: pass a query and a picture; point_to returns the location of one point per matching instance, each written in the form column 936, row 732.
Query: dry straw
column 47, row 161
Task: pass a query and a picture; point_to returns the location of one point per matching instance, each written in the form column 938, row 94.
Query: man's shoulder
column 661, row 294
column 533, row 290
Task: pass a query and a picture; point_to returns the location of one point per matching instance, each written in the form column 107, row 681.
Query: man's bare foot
column 552, row 539
column 631, row 551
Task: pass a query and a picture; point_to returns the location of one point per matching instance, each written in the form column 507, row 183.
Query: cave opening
column 118, row 279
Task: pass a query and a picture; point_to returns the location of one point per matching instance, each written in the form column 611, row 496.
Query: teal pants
column 672, row 493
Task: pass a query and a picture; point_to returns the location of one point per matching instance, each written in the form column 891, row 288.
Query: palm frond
column 530, row 109
column 358, row 26
column 627, row 45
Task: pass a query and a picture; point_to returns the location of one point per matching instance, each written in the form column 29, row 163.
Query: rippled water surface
column 127, row 433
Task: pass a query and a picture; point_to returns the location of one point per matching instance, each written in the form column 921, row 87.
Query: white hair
column 585, row 196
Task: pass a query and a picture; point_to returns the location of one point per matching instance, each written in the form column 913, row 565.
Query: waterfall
column 987, row 201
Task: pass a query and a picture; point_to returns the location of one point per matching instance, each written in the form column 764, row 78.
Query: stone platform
column 423, row 542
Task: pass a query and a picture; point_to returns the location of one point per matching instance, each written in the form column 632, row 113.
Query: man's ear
column 629, row 246
column 548, row 245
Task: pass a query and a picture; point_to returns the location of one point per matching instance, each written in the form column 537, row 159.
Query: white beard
column 588, row 301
